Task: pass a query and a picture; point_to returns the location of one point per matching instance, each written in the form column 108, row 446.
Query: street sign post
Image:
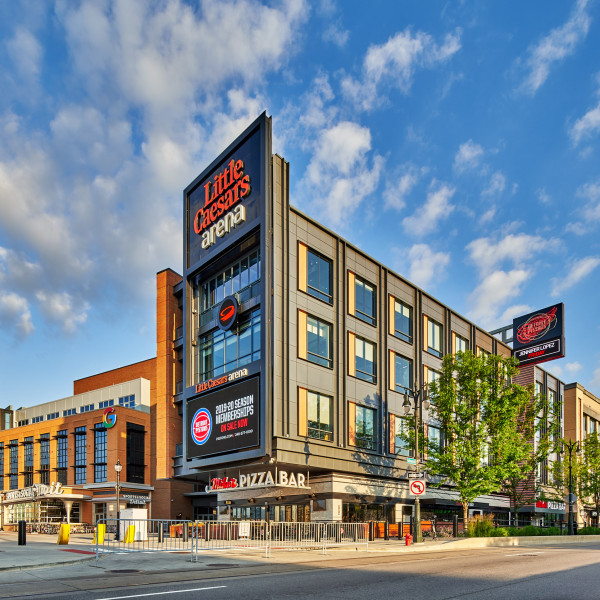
column 417, row 487
column 416, row 475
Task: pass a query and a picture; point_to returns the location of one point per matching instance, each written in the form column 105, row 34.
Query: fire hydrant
column 408, row 539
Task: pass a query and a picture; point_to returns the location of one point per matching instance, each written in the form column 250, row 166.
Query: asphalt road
column 491, row 574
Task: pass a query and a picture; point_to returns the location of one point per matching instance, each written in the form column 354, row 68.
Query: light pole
column 118, row 468
column 421, row 401
column 570, row 446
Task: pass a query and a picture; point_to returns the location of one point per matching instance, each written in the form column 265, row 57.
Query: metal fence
column 153, row 535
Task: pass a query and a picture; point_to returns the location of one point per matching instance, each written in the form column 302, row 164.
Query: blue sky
column 456, row 141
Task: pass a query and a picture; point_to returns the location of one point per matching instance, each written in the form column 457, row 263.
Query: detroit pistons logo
column 201, row 426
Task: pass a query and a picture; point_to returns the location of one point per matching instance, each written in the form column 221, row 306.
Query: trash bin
column 408, row 539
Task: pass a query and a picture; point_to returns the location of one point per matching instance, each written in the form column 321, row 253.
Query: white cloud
column 468, row 156
column 573, row 368
column 63, row 310
column 395, row 63
column 15, row 313
column 578, row 270
column 590, row 212
column 543, row 196
column 399, row 186
column 496, row 185
column 426, row 266
column 437, row 207
column 339, row 175
column 586, row 126
column 26, row 53
column 336, row 35
column 557, row 45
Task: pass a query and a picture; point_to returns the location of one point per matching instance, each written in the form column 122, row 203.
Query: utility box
column 138, row 517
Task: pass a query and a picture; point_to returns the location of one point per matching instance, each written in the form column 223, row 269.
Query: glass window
column 432, row 375
column 364, row 301
column 461, row 344
column 402, row 435
column 434, row 337
column 62, row 449
column 434, row 437
column 1, row 466
column 365, row 366
column 320, row 416
column 127, row 401
column 365, row 427
column 13, row 464
column 219, row 352
column 319, row 277
column 135, row 453
column 403, row 321
column 318, row 342
column 80, row 455
column 28, row 461
column 403, row 373
column 45, row 458
column 100, row 453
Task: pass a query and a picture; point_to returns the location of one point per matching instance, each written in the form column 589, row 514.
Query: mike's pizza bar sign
column 225, row 420
column 539, row 336
column 226, row 198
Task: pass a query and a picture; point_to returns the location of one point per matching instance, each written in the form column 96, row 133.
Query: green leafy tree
column 589, row 471
column 477, row 407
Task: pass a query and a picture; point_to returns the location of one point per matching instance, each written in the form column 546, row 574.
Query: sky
column 457, row 142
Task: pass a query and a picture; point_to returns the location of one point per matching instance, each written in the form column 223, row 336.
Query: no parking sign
column 417, row 487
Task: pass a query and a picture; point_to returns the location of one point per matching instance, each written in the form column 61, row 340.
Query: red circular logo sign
column 227, row 313
column 201, row 426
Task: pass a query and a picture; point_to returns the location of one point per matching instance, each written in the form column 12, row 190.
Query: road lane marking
column 216, row 587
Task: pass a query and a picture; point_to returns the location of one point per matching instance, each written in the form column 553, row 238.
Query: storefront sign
column 135, row 498
column 109, row 418
column 227, row 313
column 550, row 505
column 259, row 479
column 225, row 420
column 35, row 491
column 218, row 381
column 539, row 336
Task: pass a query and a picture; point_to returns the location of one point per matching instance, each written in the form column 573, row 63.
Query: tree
column 477, row 407
column 589, row 471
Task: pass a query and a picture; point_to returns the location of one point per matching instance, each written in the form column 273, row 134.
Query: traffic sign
column 411, row 461
column 416, row 475
column 417, row 487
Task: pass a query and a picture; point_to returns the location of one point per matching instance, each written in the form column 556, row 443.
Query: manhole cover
column 222, row 565
column 124, row 571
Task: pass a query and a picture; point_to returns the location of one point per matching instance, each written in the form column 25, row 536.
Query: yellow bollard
column 99, row 534
column 129, row 535
column 64, row 533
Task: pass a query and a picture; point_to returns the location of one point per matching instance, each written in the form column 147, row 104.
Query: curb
column 47, row 565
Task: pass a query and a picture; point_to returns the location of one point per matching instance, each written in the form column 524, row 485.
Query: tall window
column 434, row 337
column 28, row 461
column 319, row 276
column 434, row 437
column 318, row 341
column 232, row 279
column 364, row 355
column 13, row 465
column 319, row 413
column 135, row 453
column 62, row 449
column 365, row 301
column 365, row 427
column 403, row 374
column 45, row 458
column 1, row 466
column 460, row 344
column 80, row 455
column 222, row 351
column 99, row 453
column 402, row 434
column 402, row 323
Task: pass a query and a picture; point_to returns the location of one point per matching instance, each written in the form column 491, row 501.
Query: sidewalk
column 41, row 551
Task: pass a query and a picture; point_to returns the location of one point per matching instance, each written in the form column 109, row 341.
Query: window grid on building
column 365, row 301
column 100, row 453
column 319, row 276
column 69, row 411
column 365, row 365
column 80, row 455
column 434, row 337
column 403, row 374
column 127, row 401
column 51, row 416
column 402, row 321
column 37, row 419
column 460, row 344
column 62, row 452
column 319, row 413
column 28, row 461
column 86, row 408
column 45, row 458
column 318, row 342
column 365, row 427
column 13, row 464
column 106, row 403
column 1, row 466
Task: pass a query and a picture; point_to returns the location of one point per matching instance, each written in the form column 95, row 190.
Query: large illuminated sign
column 35, row 491
column 225, row 420
column 539, row 336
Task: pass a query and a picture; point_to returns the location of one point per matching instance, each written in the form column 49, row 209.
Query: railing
column 50, row 527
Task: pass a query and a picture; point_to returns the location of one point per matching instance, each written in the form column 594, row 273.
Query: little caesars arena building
column 298, row 348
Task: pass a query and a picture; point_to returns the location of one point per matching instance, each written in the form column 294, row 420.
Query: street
column 548, row 573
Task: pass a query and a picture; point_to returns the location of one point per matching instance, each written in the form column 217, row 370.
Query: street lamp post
column 570, row 446
column 421, row 401
column 118, row 468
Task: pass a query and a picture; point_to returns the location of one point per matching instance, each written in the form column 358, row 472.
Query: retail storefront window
column 319, row 276
column 80, row 455
column 135, row 453
column 434, row 337
column 100, row 453
column 28, row 461
column 365, row 366
column 403, row 321
column 365, row 427
column 13, row 464
column 219, row 351
column 318, row 341
column 365, row 301
column 45, row 458
column 62, row 450
column 319, row 412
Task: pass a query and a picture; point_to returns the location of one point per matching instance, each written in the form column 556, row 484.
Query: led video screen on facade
column 226, row 420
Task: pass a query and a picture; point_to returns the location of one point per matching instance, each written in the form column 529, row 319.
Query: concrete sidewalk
column 41, row 551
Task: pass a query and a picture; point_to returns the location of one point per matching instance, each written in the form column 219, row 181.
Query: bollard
column 386, row 531
column 22, row 533
column 186, row 532
column 455, row 525
column 161, row 533
column 371, row 531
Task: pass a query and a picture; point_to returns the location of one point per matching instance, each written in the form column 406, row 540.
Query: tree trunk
column 465, row 506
